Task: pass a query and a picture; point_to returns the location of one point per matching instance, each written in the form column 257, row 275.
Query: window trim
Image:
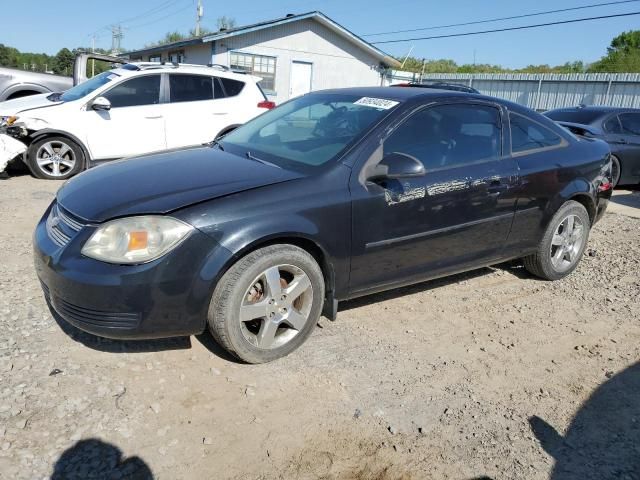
column 168, row 93
column 275, row 67
column 416, row 111
column 563, row 141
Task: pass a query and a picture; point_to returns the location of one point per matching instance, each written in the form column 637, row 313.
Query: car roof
column 596, row 109
column 400, row 93
column 128, row 70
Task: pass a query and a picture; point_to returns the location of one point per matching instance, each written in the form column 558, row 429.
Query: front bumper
column 10, row 148
column 164, row 298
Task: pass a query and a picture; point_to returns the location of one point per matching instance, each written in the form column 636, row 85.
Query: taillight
column 605, row 186
column 267, row 104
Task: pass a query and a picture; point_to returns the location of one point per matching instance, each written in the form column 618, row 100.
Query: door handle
column 219, row 113
column 153, row 117
column 623, row 141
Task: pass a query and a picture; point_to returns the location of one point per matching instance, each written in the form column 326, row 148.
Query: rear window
column 527, row 135
column 574, row 116
column 190, row 88
column 230, row 87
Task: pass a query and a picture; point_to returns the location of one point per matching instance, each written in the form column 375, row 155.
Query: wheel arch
column 579, row 190
column 309, row 245
column 50, row 132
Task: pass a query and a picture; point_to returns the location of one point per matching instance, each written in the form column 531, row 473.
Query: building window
column 258, row 65
column 155, row 58
column 177, row 56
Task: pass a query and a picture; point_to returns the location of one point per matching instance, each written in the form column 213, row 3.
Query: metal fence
column 544, row 91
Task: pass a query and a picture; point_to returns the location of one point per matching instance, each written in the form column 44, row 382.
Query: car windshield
column 584, row 117
column 85, row 88
column 309, row 131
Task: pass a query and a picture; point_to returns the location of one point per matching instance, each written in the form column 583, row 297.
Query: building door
column 300, row 78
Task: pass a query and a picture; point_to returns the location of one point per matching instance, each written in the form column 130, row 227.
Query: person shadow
column 603, row 439
column 93, row 459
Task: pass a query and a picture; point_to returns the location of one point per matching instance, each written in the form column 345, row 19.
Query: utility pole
column 116, row 39
column 199, row 15
column 93, row 50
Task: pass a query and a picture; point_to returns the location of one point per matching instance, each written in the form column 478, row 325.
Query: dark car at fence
column 333, row 195
column 619, row 127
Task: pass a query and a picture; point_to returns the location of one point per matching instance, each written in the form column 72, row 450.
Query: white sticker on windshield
column 112, row 76
column 382, row 103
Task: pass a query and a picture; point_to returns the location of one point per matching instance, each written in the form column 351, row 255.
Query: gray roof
column 317, row 16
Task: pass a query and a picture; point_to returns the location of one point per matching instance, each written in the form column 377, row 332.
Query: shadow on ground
column 97, row 460
column 628, row 199
column 515, row 268
column 603, row 439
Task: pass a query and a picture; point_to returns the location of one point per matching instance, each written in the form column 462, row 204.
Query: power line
column 524, row 27
column 161, row 18
column 491, row 20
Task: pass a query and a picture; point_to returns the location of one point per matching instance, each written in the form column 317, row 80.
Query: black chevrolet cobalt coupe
column 331, row 196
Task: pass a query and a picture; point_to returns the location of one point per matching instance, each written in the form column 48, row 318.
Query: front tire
column 267, row 304
column 55, row 158
column 563, row 243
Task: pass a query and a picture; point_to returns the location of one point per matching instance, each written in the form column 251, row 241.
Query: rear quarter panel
column 549, row 179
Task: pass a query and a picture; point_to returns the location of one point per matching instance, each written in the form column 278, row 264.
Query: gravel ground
column 489, row 374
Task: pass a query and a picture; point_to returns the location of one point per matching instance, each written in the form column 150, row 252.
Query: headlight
column 135, row 239
column 8, row 121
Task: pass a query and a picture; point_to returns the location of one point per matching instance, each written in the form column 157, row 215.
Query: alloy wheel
column 55, row 158
column 567, row 242
column 276, row 306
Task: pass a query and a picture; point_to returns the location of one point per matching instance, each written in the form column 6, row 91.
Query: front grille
column 91, row 317
column 61, row 227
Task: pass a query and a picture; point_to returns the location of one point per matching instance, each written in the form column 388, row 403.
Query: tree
column 623, row 55
column 63, row 62
column 225, row 22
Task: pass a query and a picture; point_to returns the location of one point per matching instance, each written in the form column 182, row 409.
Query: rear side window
column 630, row 123
column 449, row 136
column 230, row 87
column 143, row 90
column 190, row 88
column 612, row 125
column 527, row 135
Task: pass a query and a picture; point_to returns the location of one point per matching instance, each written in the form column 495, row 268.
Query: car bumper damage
column 10, row 148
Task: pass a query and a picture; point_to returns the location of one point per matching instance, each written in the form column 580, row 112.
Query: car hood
column 160, row 183
column 17, row 105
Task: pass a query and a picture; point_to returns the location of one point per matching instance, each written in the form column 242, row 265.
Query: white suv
column 135, row 109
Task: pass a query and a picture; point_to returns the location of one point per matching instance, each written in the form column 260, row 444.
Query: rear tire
column 267, row 304
column 563, row 243
column 55, row 158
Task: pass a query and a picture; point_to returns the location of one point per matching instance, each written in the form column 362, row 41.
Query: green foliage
column 623, row 55
column 63, row 62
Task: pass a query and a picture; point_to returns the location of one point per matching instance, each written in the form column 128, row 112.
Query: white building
column 294, row 55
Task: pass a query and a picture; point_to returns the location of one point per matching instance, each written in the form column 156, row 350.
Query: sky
column 49, row 25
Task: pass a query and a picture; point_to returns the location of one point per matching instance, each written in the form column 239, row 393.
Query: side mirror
column 101, row 103
column 396, row 166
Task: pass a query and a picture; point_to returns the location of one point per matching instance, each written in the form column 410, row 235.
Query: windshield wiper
column 215, row 143
column 251, row 156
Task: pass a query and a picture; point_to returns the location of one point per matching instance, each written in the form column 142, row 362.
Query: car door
column 630, row 139
column 190, row 119
column 458, row 214
column 133, row 125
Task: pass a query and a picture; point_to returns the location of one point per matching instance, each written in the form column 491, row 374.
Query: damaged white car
column 131, row 110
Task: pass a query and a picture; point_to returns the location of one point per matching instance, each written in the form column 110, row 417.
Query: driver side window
column 143, row 90
column 448, row 136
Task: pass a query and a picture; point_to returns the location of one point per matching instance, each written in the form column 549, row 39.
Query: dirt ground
column 489, row 374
